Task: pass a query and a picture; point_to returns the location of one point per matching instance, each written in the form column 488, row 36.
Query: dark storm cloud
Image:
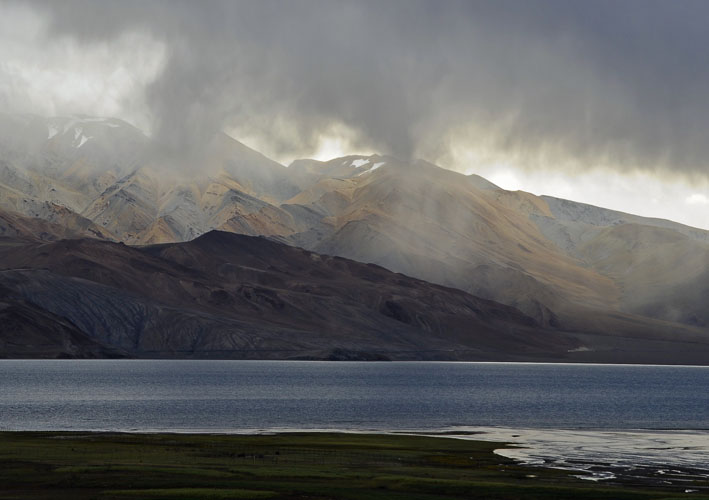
column 620, row 82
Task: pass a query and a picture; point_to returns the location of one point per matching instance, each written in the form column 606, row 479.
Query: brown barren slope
column 227, row 295
column 224, row 295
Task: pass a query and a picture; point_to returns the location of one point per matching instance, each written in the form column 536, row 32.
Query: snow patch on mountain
column 79, row 137
column 83, row 141
column 578, row 218
column 581, row 212
column 360, row 162
column 76, row 124
column 372, row 168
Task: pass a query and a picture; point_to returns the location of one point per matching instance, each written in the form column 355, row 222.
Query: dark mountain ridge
column 225, row 295
column 234, row 296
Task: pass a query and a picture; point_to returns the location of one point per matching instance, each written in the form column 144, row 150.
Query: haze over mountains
column 573, row 280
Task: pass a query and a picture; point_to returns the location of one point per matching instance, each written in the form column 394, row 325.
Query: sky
column 605, row 102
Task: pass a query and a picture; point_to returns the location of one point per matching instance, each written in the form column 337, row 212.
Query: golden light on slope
column 638, row 192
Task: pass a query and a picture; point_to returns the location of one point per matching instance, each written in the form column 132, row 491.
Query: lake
column 553, row 409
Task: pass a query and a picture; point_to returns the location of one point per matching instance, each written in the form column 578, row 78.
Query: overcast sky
column 599, row 101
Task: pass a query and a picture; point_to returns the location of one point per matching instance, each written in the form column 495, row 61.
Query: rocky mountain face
column 224, row 295
column 232, row 296
column 564, row 263
column 104, row 173
column 568, row 266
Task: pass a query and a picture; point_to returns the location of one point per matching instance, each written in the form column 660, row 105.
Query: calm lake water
column 600, row 420
column 251, row 395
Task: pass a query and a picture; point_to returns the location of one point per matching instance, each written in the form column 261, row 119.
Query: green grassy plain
column 314, row 466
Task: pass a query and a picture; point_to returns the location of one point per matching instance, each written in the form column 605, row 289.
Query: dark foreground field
column 286, row 466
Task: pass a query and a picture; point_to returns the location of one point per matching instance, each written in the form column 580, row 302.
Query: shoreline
column 368, row 362
column 324, row 453
column 595, row 457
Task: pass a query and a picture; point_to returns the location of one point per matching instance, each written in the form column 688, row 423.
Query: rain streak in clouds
column 572, row 85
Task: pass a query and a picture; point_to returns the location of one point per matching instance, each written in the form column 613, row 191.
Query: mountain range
column 95, row 220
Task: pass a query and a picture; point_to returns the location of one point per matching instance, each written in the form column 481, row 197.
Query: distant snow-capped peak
column 361, row 164
column 76, row 127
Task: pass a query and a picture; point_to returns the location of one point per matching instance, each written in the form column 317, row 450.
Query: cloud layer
column 545, row 82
